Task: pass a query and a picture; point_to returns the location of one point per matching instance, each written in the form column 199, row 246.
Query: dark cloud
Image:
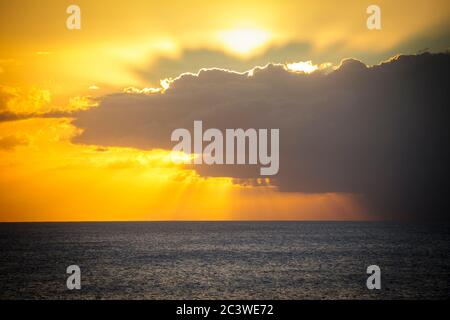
column 10, row 142
column 8, row 116
column 11, row 116
column 380, row 132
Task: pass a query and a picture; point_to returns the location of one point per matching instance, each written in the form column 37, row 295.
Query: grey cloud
column 192, row 60
column 380, row 132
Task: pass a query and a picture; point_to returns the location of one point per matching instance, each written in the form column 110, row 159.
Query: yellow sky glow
column 46, row 68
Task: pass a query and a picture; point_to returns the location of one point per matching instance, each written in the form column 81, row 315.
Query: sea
column 224, row 260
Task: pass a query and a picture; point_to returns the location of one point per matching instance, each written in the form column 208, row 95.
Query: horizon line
column 202, row 221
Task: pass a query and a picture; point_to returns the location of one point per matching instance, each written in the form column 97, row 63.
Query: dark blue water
column 224, row 260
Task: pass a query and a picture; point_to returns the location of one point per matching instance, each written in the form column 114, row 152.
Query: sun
column 244, row 41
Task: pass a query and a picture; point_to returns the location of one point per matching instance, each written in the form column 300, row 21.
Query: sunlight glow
column 302, row 66
column 244, row 41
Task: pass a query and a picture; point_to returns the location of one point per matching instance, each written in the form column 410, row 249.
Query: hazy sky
column 47, row 71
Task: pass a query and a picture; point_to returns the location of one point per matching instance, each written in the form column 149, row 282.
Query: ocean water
column 224, row 260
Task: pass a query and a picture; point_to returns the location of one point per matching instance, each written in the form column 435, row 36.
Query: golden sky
column 46, row 68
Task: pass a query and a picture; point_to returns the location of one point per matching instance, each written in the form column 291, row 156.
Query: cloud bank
column 380, row 132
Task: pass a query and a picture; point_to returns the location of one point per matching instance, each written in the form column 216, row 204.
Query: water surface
column 224, row 260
